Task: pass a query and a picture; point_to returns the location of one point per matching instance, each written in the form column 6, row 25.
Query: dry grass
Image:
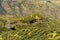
column 44, row 28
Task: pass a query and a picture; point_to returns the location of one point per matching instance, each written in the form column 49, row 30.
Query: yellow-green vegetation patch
column 31, row 27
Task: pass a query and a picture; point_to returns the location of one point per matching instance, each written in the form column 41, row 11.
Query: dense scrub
column 32, row 27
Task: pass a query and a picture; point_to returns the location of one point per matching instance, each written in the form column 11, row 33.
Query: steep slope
column 2, row 10
column 26, row 7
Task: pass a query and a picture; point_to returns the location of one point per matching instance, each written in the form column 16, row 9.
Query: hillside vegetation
column 32, row 27
column 29, row 20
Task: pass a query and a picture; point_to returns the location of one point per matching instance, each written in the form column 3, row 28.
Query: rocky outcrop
column 2, row 10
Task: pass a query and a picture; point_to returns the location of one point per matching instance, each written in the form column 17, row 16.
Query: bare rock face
column 26, row 7
column 2, row 10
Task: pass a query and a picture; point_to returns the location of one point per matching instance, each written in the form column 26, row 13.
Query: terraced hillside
column 32, row 27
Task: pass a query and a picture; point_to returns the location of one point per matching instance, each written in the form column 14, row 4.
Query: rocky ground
column 27, row 7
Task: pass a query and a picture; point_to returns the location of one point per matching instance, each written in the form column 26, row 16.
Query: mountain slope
column 26, row 7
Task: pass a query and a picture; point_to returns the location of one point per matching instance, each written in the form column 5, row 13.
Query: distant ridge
column 26, row 7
